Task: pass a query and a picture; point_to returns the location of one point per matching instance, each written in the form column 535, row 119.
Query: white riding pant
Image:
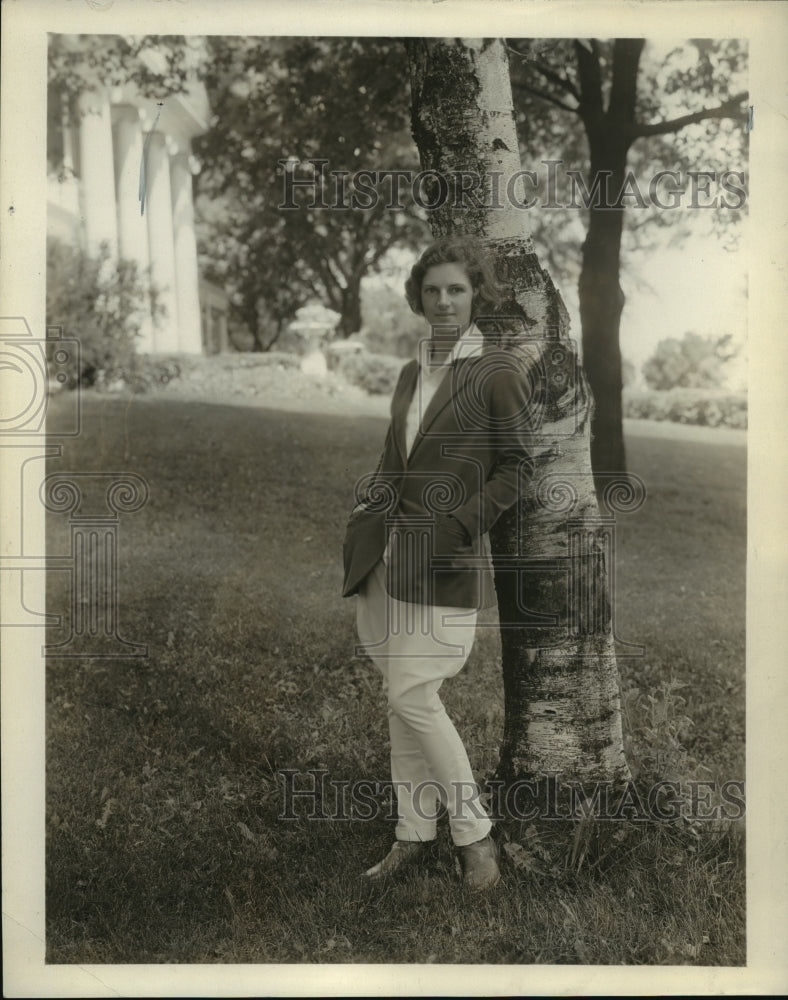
column 416, row 647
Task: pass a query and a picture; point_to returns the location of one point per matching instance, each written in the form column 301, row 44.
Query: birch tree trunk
column 552, row 549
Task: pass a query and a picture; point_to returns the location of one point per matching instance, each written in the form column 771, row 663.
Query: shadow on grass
column 165, row 841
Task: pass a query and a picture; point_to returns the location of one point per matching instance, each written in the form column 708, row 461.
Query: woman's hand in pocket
column 450, row 535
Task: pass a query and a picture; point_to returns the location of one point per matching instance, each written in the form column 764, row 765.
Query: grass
column 164, row 842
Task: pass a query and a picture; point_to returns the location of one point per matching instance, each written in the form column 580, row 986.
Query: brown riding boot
column 403, row 855
column 479, row 863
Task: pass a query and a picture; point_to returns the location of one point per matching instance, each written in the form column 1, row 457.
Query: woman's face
column 447, row 297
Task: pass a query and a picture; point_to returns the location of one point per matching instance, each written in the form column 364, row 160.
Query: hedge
column 376, row 374
column 706, row 407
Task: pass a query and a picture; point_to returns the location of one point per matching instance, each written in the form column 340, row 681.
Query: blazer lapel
column 399, row 410
column 451, row 385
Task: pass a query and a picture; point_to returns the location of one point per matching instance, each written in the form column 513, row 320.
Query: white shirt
column 430, row 377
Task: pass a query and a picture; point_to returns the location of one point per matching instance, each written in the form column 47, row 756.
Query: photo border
column 22, row 267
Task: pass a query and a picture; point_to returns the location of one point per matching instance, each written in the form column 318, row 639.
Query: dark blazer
column 466, row 466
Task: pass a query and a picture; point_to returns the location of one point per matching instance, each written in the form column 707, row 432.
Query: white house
column 93, row 171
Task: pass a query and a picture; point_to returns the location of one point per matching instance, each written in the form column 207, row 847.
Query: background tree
column 628, row 120
column 283, row 107
column 693, row 362
column 158, row 65
column 562, row 711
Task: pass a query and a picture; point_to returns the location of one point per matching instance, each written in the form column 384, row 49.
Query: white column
column 97, row 171
column 187, row 278
column 158, row 212
column 132, row 227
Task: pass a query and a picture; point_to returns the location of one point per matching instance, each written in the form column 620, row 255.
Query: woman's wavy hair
column 465, row 250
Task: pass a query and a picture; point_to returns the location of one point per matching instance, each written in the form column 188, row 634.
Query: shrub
column 147, row 371
column 101, row 303
column 374, row 373
column 254, row 359
column 338, row 351
column 705, row 407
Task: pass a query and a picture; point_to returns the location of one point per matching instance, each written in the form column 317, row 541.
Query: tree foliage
column 627, row 115
column 158, row 65
column 693, row 362
column 280, row 105
column 708, row 75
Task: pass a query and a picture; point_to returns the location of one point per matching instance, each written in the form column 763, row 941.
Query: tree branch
column 560, row 81
column 730, row 109
column 330, row 291
column 321, row 267
column 310, row 284
column 544, row 96
column 563, row 82
column 382, row 249
column 337, row 273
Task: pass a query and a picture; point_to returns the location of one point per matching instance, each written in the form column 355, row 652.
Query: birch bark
column 552, row 550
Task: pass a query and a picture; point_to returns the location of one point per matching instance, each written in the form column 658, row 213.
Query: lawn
column 164, row 772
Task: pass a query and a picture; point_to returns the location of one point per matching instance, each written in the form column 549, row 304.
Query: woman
column 417, row 552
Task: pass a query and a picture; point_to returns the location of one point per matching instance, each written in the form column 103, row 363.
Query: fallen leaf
column 246, row 832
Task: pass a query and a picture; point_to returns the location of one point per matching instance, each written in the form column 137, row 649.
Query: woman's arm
column 365, row 498
column 507, row 392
